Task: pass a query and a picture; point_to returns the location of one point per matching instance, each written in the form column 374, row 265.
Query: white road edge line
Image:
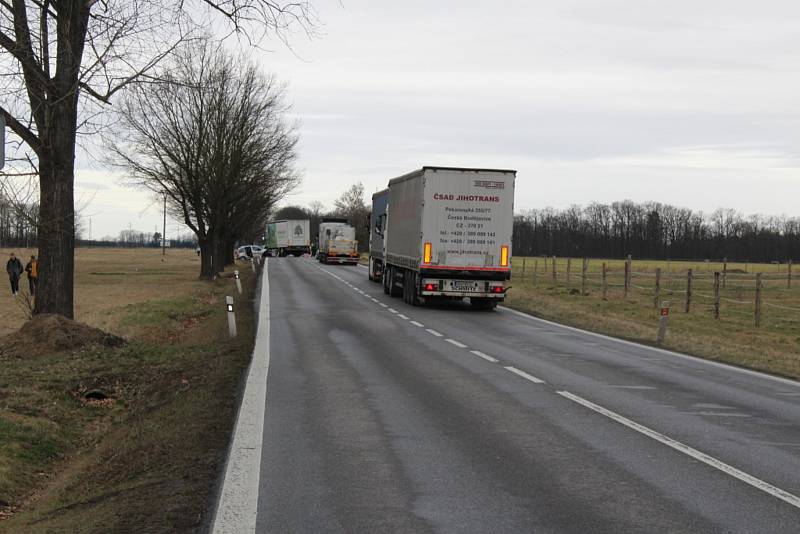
column 689, row 451
column 382, row 304
column 434, row 332
column 417, row 323
column 486, row 357
column 456, row 343
column 237, row 506
column 525, row 375
column 750, row 372
column 403, row 316
column 393, row 310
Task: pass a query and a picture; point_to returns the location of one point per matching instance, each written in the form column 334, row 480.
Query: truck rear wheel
column 393, row 289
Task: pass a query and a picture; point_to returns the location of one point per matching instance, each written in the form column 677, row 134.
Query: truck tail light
column 498, row 289
column 428, row 253
column 431, row 287
column 504, row 256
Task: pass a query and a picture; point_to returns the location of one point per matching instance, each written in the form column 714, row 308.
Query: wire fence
column 762, row 292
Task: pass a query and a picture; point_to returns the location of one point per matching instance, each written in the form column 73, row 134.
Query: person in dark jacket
column 14, row 270
column 32, row 268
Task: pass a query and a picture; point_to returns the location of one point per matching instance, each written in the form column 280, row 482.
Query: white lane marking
column 402, row 316
column 382, row 304
column 456, row 343
column 393, row 310
column 486, row 357
column 525, row 375
column 434, row 332
column 417, row 323
column 689, row 451
column 373, row 299
column 237, row 506
column 725, row 366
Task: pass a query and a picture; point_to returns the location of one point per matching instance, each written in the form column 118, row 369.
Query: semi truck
column 337, row 242
column 377, row 225
column 446, row 234
column 288, row 237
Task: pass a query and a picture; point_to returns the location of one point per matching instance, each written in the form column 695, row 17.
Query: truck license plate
column 458, row 285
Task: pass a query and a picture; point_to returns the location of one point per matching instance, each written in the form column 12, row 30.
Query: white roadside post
column 662, row 322
column 238, row 282
column 253, row 264
column 231, row 316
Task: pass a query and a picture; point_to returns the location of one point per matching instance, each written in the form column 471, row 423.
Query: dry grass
column 145, row 459
column 774, row 347
column 108, row 280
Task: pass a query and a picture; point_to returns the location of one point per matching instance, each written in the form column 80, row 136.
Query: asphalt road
column 382, row 417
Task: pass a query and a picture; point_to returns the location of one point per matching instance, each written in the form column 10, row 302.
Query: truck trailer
column 337, row 242
column 288, row 237
column 447, row 235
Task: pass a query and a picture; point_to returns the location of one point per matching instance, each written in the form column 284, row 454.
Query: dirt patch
column 48, row 334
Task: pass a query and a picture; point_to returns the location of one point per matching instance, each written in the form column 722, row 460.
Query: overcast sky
column 691, row 103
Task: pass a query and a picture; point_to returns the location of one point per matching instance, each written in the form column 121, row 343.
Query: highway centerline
column 525, row 375
column 456, row 343
column 486, row 357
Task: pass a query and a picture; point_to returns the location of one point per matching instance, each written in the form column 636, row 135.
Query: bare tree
column 64, row 60
column 213, row 137
column 351, row 205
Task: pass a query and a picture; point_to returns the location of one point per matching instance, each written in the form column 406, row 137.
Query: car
column 248, row 252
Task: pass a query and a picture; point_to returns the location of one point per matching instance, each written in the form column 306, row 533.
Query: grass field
column 733, row 338
column 145, row 458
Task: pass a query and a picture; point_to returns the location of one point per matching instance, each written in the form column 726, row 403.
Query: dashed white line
column 486, row 357
column 525, row 375
column 402, row 316
column 689, row 451
column 393, row 310
column 383, row 305
column 417, row 323
column 434, row 332
column 456, row 343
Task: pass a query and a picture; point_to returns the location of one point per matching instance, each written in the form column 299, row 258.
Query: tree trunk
column 228, row 252
column 57, row 219
column 207, row 250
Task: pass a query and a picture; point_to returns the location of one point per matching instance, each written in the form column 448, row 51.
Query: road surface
column 382, row 417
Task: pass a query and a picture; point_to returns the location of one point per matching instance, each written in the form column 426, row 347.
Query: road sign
column 2, row 141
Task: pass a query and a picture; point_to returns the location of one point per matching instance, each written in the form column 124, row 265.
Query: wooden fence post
column 724, row 273
column 688, row 290
column 605, row 283
column 555, row 275
column 789, row 275
column 758, row 300
column 583, row 275
column 545, row 265
column 569, row 271
column 535, row 271
column 627, row 281
column 716, row 295
column 657, row 290
column 523, row 266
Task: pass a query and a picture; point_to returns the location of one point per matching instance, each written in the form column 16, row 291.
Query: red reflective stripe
column 498, row 269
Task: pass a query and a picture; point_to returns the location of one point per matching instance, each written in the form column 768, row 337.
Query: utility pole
column 164, row 233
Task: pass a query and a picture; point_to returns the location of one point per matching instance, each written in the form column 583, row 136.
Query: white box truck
column 448, row 235
column 289, row 237
column 337, row 242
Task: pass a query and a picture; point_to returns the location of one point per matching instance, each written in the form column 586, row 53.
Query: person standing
column 14, row 270
column 32, row 268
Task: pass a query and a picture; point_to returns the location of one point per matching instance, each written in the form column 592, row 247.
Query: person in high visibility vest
column 32, row 268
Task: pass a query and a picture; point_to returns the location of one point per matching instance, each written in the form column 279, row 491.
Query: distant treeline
column 655, row 230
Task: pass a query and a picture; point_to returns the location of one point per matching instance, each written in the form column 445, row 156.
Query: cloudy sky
column 690, row 103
